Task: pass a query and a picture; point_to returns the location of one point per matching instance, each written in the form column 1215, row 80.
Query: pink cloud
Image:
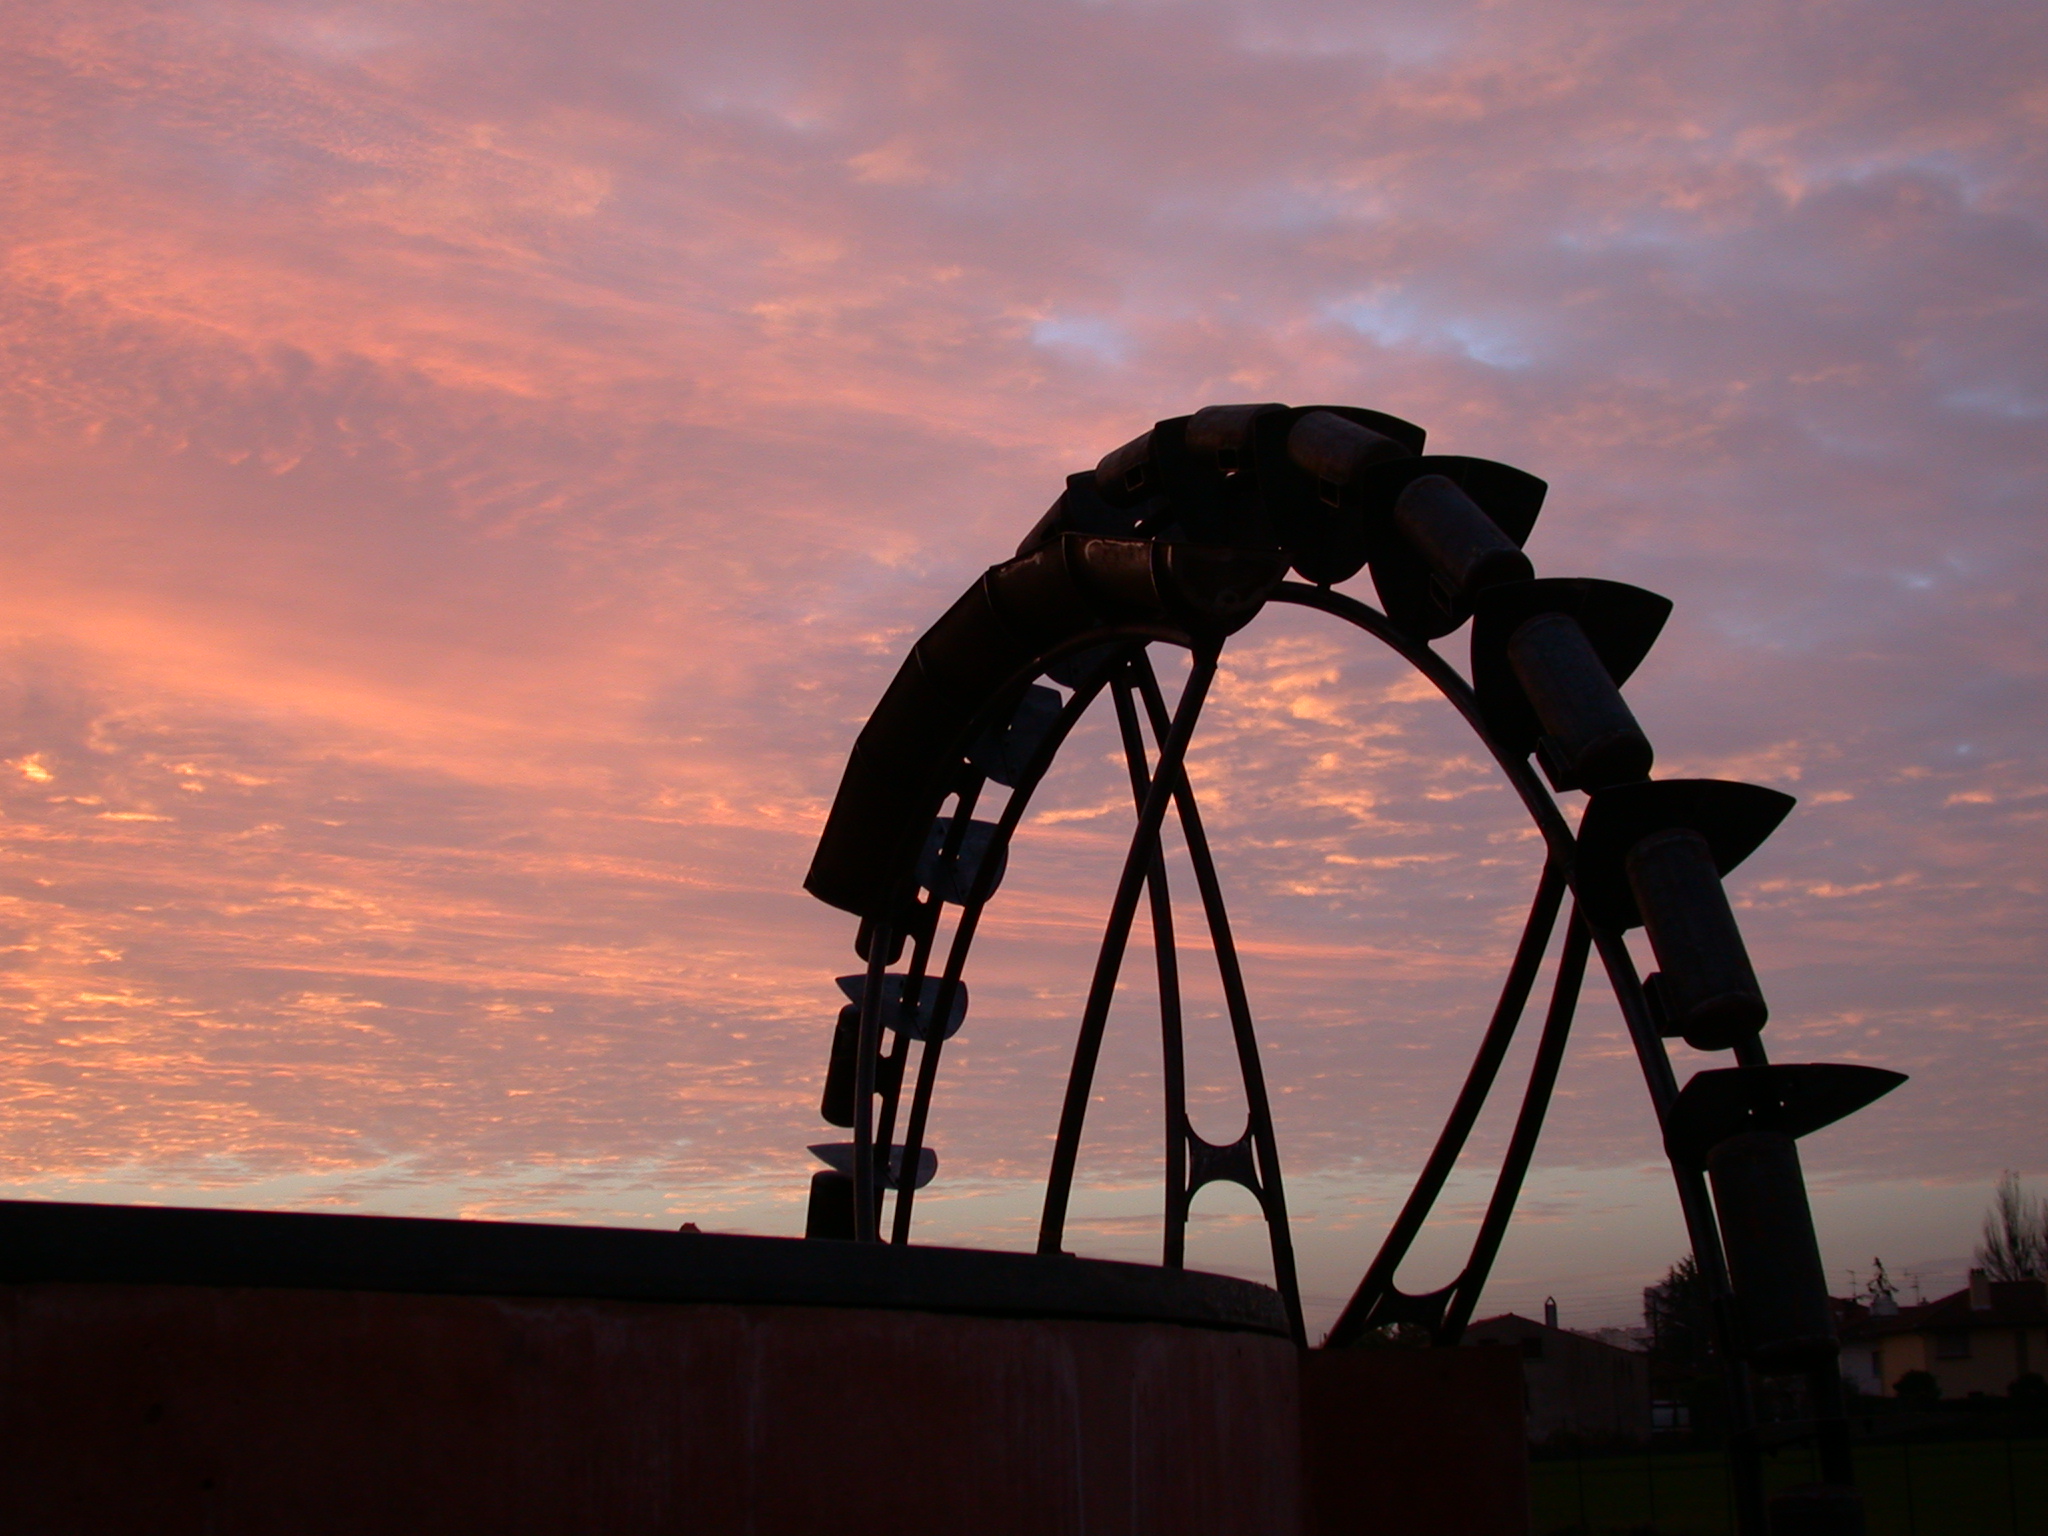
column 470, row 471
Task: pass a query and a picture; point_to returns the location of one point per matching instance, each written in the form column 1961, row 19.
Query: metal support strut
column 1109, row 960
column 963, row 940
column 1254, row 1159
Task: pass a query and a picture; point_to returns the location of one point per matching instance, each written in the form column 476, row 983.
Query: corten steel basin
column 171, row 1371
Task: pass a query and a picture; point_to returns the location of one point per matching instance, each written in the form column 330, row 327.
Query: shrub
column 1917, row 1389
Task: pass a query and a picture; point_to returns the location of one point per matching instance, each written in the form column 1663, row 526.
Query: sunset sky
column 470, row 469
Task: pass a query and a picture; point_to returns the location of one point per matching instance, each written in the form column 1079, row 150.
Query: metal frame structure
column 1181, row 537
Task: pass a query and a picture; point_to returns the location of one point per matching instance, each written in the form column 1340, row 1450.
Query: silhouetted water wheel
column 1180, row 538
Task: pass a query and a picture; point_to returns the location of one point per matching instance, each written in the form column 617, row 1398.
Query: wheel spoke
column 963, row 939
column 1359, row 1313
column 1272, row 1194
column 1171, row 1033
column 1507, row 1188
column 1109, row 961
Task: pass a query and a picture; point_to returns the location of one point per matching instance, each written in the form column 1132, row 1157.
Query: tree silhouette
column 2015, row 1245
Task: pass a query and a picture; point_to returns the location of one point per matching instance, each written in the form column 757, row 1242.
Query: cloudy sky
column 469, row 469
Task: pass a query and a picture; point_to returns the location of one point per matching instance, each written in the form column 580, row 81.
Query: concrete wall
column 1997, row 1356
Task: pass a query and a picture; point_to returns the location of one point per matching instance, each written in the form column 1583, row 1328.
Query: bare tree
column 2015, row 1245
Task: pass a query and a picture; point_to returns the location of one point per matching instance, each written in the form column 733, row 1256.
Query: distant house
column 1979, row 1340
column 1572, row 1385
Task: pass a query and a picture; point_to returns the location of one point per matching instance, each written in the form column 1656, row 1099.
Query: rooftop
column 2014, row 1304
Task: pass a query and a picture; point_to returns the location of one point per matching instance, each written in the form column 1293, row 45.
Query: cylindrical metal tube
column 1334, row 450
column 1125, row 474
column 1220, row 436
column 1709, row 991
column 1594, row 740
column 864, row 940
column 1464, row 549
column 952, row 879
column 835, row 1105
column 831, row 1209
column 1781, row 1291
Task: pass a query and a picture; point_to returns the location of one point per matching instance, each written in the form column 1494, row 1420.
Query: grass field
column 1968, row 1488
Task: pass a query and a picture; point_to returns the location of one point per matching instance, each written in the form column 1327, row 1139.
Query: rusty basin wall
column 170, row 1401
column 184, row 1409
